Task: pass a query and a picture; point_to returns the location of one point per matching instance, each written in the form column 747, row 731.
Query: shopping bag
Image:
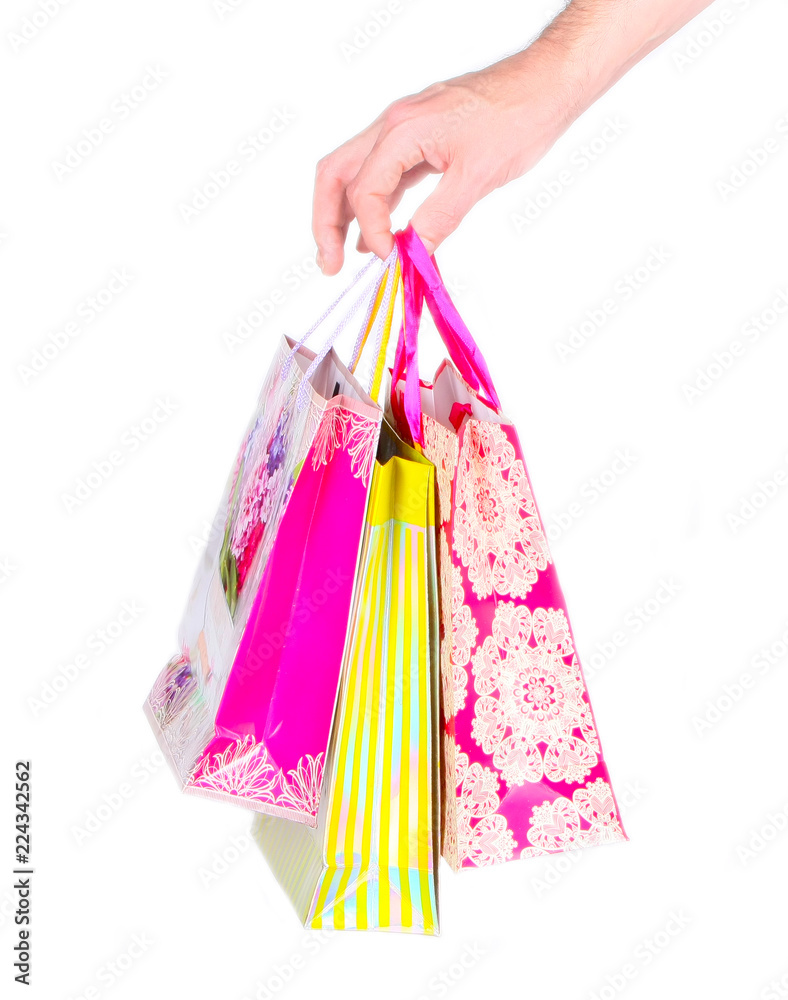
column 523, row 768
column 372, row 861
column 244, row 711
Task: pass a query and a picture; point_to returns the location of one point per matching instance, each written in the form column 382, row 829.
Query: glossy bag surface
column 524, row 773
column 244, row 711
column 372, row 861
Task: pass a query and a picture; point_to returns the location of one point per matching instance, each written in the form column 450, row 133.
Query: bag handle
column 373, row 311
column 422, row 282
column 463, row 349
column 302, row 397
column 358, row 276
column 382, row 307
column 406, row 360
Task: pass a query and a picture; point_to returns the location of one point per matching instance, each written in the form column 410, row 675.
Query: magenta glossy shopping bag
column 523, row 770
column 244, row 711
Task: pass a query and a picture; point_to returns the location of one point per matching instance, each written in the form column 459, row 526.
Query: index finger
column 378, row 179
column 331, row 215
column 331, row 211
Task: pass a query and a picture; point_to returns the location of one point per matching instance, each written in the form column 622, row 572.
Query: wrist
column 593, row 43
column 590, row 47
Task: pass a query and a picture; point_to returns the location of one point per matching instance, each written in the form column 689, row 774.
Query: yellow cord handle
column 380, row 364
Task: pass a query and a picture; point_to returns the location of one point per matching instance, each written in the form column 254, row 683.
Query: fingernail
column 319, row 259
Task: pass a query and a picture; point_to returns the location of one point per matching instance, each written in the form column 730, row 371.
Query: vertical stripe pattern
column 372, row 861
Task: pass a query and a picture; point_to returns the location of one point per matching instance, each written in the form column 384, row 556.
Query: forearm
column 593, row 43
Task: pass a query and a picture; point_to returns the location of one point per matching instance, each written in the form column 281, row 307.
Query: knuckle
column 398, row 114
column 435, row 89
column 446, row 217
column 325, row 166
column 356, row 194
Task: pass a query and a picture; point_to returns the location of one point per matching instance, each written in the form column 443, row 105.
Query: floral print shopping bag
column 523, row 769
column 244, row 711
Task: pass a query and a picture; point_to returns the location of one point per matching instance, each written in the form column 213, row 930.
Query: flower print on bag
column 497, row 532
column 532, row 713
column 257, row 499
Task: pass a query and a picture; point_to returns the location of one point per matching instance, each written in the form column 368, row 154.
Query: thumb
column 442, row 212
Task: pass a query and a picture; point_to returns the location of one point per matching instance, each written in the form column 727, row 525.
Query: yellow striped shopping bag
column 371, row 862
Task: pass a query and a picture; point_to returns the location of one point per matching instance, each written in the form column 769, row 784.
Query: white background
column 692, row 795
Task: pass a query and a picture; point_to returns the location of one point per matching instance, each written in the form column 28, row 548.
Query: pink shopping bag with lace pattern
column 523, row 768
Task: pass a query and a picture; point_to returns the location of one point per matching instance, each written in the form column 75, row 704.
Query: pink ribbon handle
column 406, row 359
column 421, row 281
column 462, row 348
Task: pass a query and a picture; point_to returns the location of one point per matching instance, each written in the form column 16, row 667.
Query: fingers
column 331, row 211
column 408, row 179
column 366, row 179
column 377, row 186
column 330, row 218
column 442, row 211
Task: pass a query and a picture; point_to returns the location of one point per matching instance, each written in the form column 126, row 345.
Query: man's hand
column 483, row 129
column 480, row 131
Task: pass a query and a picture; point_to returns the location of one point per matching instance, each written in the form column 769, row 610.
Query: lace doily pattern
column 587, row 819
column 513, row 691
column 497, row 533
